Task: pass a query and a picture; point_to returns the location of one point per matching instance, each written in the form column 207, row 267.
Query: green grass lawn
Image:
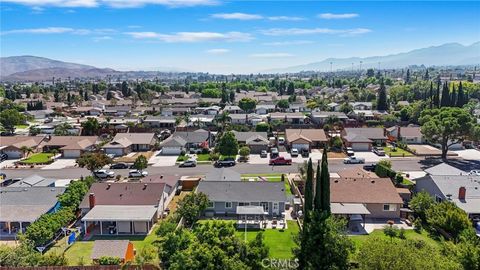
column 359, row 240
column 279, row 242
column 21, row 126
column 200, row 157
column 398, row 153
column 38, row 158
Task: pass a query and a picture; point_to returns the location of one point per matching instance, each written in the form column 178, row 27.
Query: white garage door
column 300, row 146
column 171, row 150
column 71, row 153
column 114, row 151
column 361, row 146
column 13, row 154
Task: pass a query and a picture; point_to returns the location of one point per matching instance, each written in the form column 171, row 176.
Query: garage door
column 114, row 151
column 171, row 150
column 71, row 153
column 13, row 154
column 300, row 146
column 361, row 146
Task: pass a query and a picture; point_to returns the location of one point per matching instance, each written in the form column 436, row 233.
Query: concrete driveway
column 158, row 160
column 369, row 156
column 61, row 163
column 256, row 159
column 469, row 154
column 8, row 163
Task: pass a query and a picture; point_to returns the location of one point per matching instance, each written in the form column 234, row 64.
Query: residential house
column 121, row 249
column 123, row 208
column 117, row 110
column 174, row 111
column 87, row 110
column 160, row 121
column 20, row 206
column 462, row 190
column 408, row 135
column 222, row 174
column 34, row 181
column 70, row 146
column 124, row 143
column 40, row 114
column 256, row 141
column 263, row 109
column 305, row 138
column 233, row 109
column 289, row 118
column 333, row 106
column 444, row 169
column 362, row 139
column 12, row 145
column 211, row 110
column 189, row 141
column 363, row 106
column 230, row 197
column 321, row 117
column 376, row 195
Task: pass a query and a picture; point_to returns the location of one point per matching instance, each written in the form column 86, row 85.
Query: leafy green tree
column 420, row 203
column 290, row 89
column 244, row 152
column 262, row 127
column 223, row 119
column 11, row 117
column 191, row 207
column 247, row 104
column 446, row 126
column 448, row 217
column 91, row 126
column 34, row 130
column 283, row 104
column 140, row 163
column 228, row 144
column 62, row 129
column 93, row 161
column 211, row 93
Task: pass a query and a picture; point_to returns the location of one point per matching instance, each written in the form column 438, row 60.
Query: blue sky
column 224, row 37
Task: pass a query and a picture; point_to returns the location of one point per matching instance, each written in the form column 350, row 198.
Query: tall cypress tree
column 318, row 189
column 461, row 96
column 453, row 97
column 382, row 104
column 325, row 182
column 431, row 95
column 445, row 96
column 436, row 102
column 308, row 205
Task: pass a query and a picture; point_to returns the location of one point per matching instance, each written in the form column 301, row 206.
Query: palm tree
column 62, row 129
column 26, row 150
column 54, row 152
column 223, row 119
column 187, row 118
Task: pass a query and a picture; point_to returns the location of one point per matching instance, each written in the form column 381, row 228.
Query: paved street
column 335, row 165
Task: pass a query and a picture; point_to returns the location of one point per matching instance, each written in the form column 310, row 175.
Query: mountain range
column 33, row 68
column 443, row 55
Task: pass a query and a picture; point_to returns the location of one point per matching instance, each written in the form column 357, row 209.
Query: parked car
column 263, row 154
column 120, row 165
column 305, row 152
column 370, row 167
column 227, row 162
column 474, row 172
column 104, row 174
column 3, row 176
column 281, row 140
column 378, row 151
column 349, row 151
column 294, row 152
column 273, row 152
column 188, row 163
column 280, row 161
column 137, row 173
column 3, row 157
column 353, row 160
column 112, row 156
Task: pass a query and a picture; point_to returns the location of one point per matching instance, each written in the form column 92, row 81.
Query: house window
column 275, row 206
column 210, row 204
column 243, row 204
column 389, row 207
column 228, row 204
column 265, row 206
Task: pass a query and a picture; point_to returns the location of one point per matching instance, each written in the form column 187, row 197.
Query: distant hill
column 48, row 73
column 446, row 54
column 15, row 64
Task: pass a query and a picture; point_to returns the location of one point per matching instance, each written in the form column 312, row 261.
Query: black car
column 370, row 167
column 119, row 166
column 305, row 152
column 227, row 162
column 3, row 157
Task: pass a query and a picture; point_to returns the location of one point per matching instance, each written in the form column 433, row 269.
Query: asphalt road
column 406, row 164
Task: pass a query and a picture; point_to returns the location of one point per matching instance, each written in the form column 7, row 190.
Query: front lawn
column 279, row 242
column 38, row 158
column 399, row 152
column 21, row 126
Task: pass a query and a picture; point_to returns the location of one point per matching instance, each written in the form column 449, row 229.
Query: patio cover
column 121, row 213
column 349, row 209
column 250, row 210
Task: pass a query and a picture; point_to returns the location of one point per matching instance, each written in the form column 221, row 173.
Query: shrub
column 262, row 127
column 205, row 151
column 417, row 225
column 214, row 156
column 398, row 178
column 401, row 233
column 105, row 260
column 383, row 171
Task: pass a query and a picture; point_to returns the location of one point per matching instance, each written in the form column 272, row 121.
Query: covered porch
column 250, row 217
column 355, row 214
column 119, row 220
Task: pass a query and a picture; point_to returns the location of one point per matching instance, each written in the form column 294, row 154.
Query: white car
column 474, row 172
column 294, row 152
column 137, row 173
column 353, row 160
column 104, row 174
column 281, row 140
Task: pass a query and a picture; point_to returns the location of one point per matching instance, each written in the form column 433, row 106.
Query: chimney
column 145, row 186
column 91, row 200
column 462, row 192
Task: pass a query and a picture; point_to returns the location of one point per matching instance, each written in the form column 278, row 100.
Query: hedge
column 383, row 171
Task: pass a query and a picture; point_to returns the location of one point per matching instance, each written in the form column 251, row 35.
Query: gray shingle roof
column 222, row 174
column 444, row 169
column 245, row 136
column 34, row 180
column 370, row 133
column 109, row 248
column 243, row 191
column 449, row 185
column 192, row 137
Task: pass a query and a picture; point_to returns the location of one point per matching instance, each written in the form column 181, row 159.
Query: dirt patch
column 173, row 203
column 132, row 158
column 336, row 155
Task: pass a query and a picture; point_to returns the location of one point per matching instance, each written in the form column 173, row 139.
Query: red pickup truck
column 281, row 161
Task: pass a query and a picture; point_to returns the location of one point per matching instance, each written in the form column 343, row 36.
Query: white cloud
column 193, row 36
column 113, row 3
column 217, row 51
column 288, row 43
column 59, row 30
column 332, row 16
column 102, row 38
column 271, row 55
column 237, row 16
column 285, row 18
column 311, row 31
